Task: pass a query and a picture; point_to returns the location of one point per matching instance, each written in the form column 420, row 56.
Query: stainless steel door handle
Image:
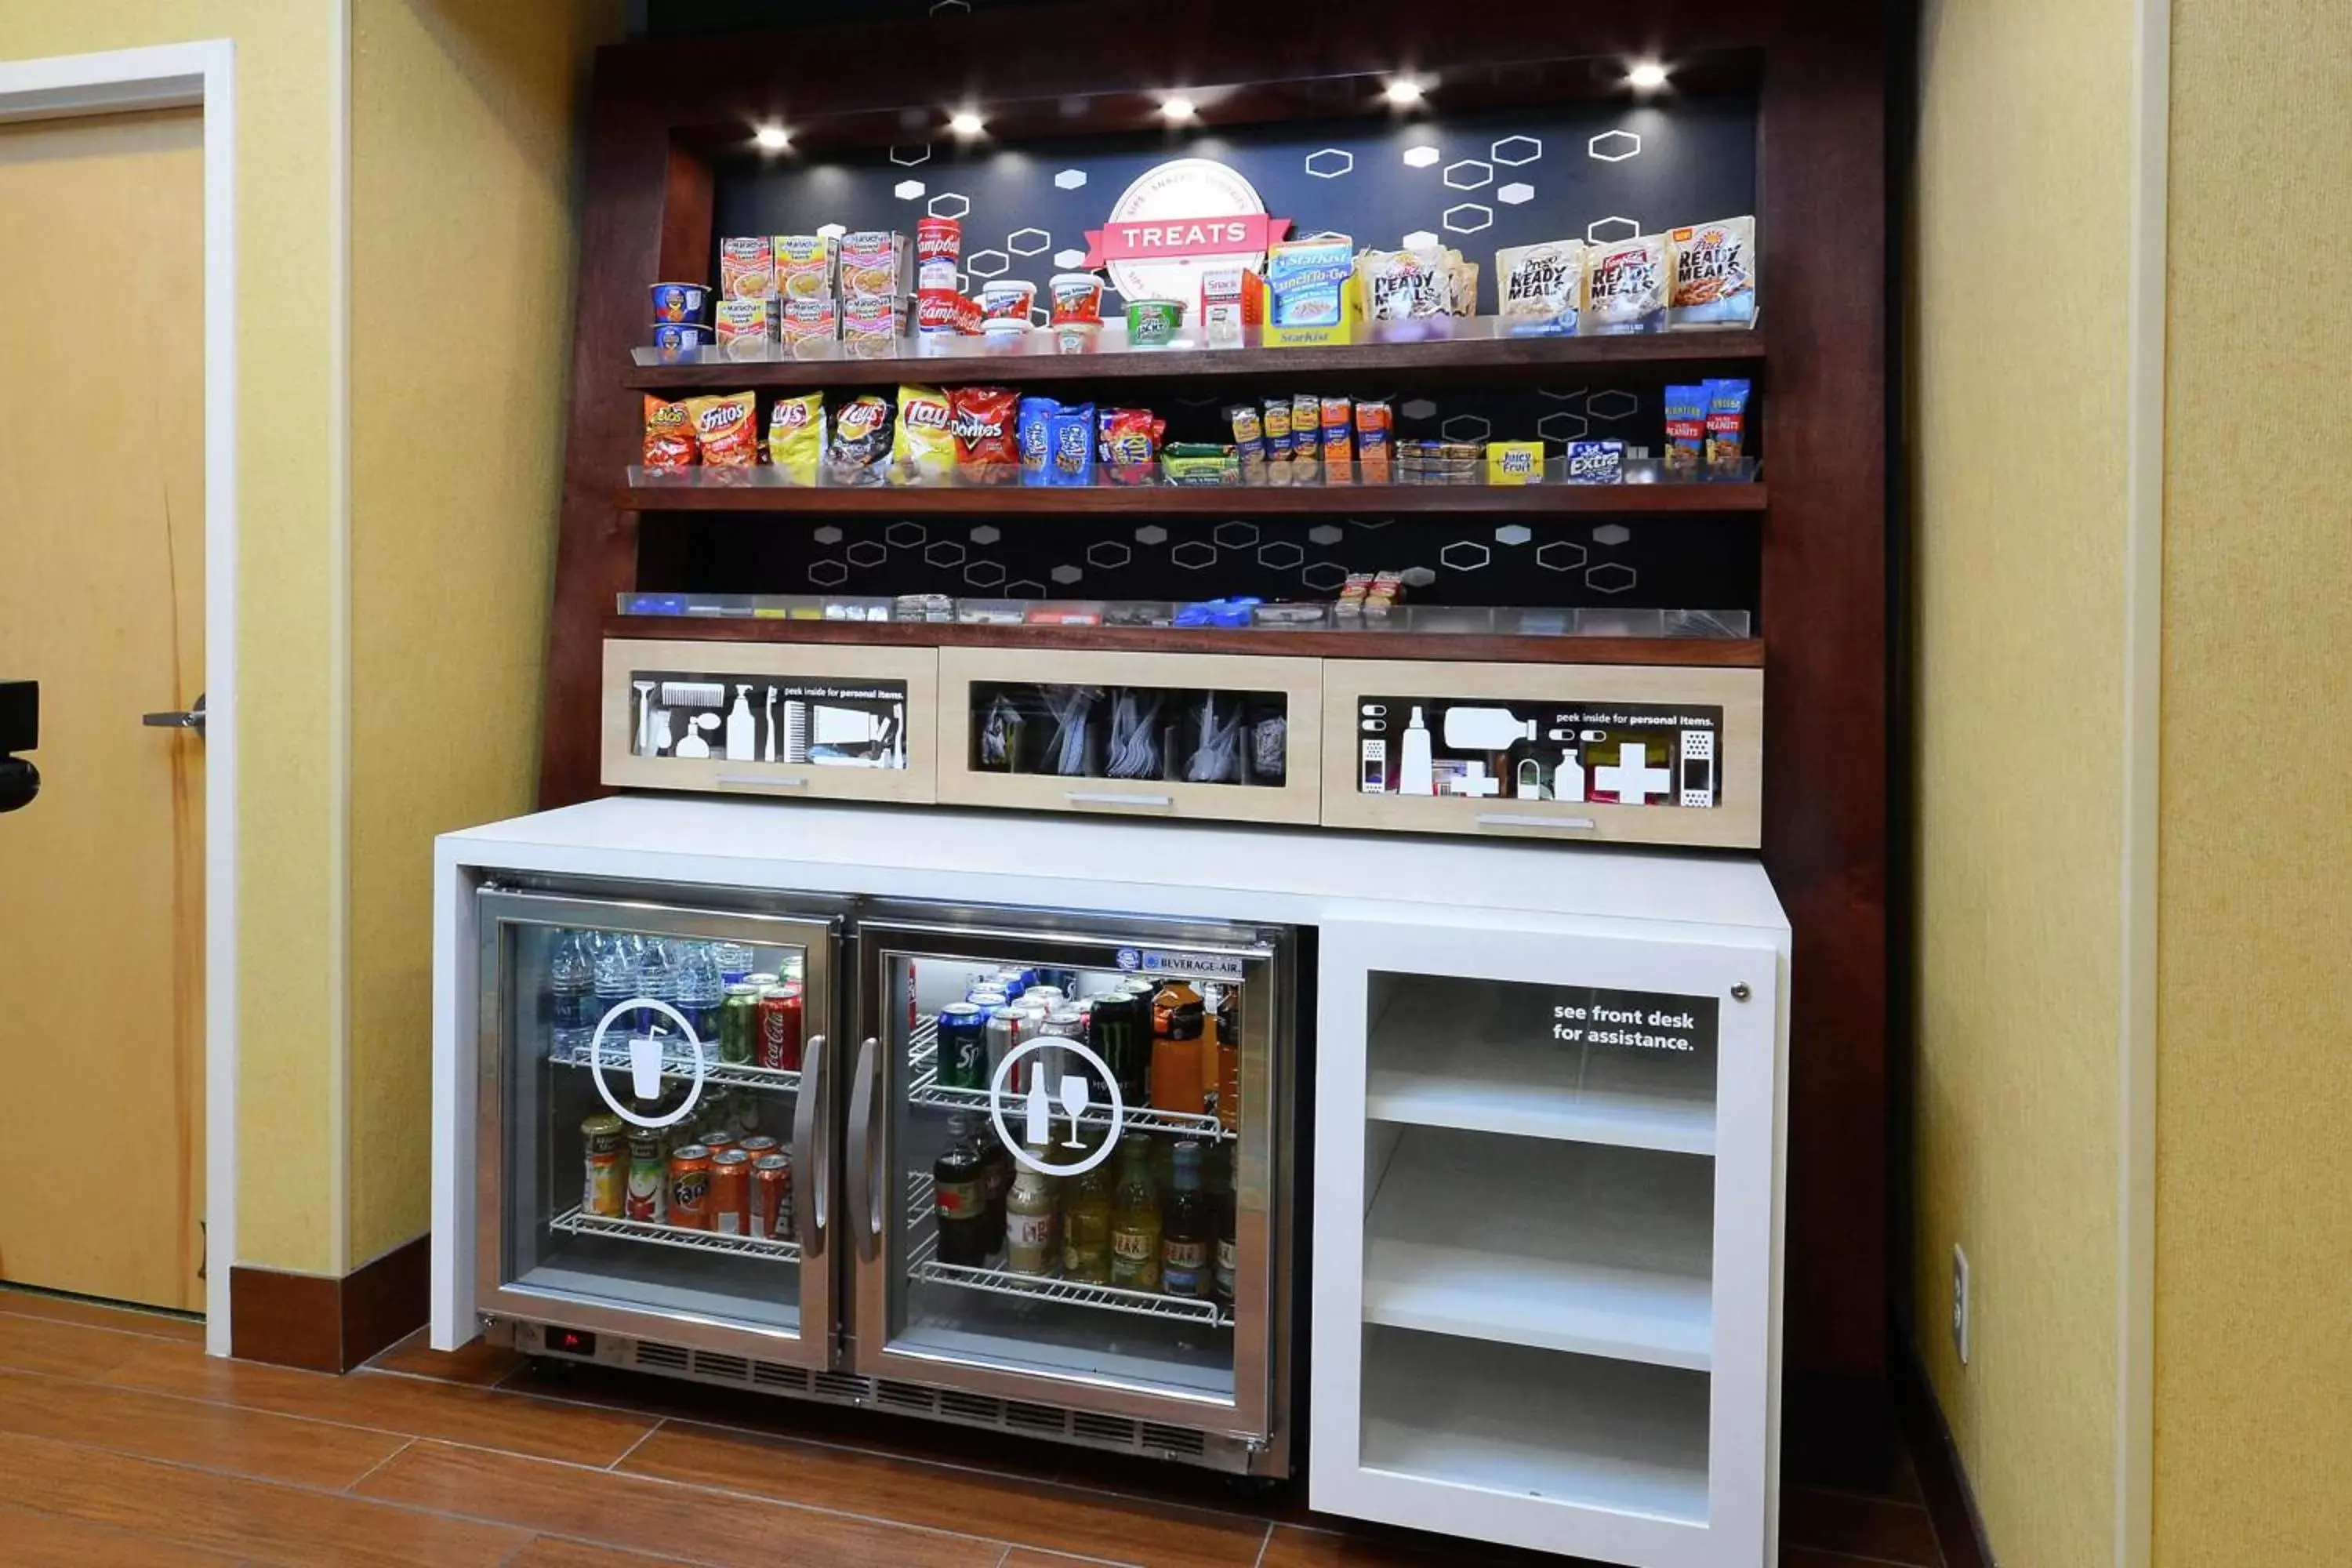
column 193, row 719
column 810, row 1162
column 1109, row 797
column 864, row 1185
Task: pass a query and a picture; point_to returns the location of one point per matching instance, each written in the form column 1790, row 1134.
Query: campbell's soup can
column 935, row 310
column 779, row 1029
column 730, row 1192
column 771, row 1197
column 689, row 1187
column 938, row 239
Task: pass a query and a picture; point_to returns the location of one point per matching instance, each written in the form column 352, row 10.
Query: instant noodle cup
column 745, row 327
column 680, row 339
column 1006, row 300
column 747, row 268
column 811, row 327
column 803, row 265
column 873, row 265
column 679, row 302
column 1077, row 298
column 938, row 239
column 1152, row 324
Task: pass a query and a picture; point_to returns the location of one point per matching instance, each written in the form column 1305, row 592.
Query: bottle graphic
column 571, row 993
column 1031, row 1243
column 1414, row 776
column 1185, row 1240
column 742, row 740
column 1135, row 1218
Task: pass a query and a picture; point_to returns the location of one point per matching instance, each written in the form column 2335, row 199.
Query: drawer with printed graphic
column 1624, row 753
column 807, row 721
column 1208, row 736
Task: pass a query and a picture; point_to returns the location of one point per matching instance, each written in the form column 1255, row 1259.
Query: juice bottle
column 1135, row 1218
column 1185, row 1241
column 1031, row 1244
column 1086, row 1229
column 1177, row 1018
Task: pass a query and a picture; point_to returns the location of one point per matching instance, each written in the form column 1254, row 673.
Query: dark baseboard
column 328, row 1325
column 1951, row 1505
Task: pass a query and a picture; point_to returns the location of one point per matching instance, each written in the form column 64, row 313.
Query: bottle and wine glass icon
column 1037, row 1107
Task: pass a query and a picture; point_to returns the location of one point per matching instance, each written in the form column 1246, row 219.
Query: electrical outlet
column 1960, row 1302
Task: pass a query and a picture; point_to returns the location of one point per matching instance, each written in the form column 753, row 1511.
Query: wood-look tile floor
column 121, row 1444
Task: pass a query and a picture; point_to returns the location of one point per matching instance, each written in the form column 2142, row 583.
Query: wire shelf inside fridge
column 923, row 1263
column 923, row 1087
column 677, row 1067
column 574, row 1222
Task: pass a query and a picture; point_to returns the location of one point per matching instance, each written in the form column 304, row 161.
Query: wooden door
column 102, row 601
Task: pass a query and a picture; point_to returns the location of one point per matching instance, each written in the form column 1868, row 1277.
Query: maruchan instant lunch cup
column 679, row 302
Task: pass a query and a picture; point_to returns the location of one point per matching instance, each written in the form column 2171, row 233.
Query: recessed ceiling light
column 1176, row 109
column 1647, row 76
column 964, row 122
column 771, row 137
column 1403, row 91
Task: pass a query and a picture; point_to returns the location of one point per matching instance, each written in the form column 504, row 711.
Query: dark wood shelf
column 1737, row 653
column 1221, row 501
column 1449, row 357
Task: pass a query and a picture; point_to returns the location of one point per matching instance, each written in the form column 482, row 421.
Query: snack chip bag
column 747, row 268
column 1130, row 444
column 1685, row 431
column 1726, row 420
column 926, row 443
column 1625, row 286
column 796, row 436
column 1070, row 445
column 669, row 434
column 1714, row 274
column 1036, row 438
column 1542, row 287
column 986, row 422
column 726, row 428
column 859, row 451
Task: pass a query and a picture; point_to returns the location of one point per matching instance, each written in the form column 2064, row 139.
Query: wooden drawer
column 1509, row 716
column 842, row 723
column 972, row 680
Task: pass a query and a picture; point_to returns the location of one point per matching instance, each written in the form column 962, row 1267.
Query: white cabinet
column 1546, row 1243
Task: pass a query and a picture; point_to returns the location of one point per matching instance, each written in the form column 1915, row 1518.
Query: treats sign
column 1176, row 221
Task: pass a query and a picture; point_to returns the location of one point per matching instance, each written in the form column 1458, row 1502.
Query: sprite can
column 739, row 1023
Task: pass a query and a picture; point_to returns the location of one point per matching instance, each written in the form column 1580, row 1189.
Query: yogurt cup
column 678, row 301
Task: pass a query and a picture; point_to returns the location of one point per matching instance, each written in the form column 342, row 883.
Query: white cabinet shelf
column 1564, row 1429
column 1440, row 1057
column 1566, row 1248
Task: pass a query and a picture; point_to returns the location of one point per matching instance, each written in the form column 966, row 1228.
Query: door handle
column 865, row 1186
column 810, row 1162
column 193, row 719
column 1533, row 820
column 1111, row 797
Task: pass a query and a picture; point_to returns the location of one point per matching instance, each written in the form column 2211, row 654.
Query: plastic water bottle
column 735, row 961
column 571, row 991
column 699, row 989
column 615, row 968
column 656, row 982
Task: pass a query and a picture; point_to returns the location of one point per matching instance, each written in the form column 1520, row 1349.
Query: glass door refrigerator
column 1021, row 1169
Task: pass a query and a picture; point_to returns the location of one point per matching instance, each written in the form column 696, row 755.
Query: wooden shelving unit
column 1730, row 653
column 1453, row 358
column 705, row 490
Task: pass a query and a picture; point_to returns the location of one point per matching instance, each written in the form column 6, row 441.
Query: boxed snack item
column 747, row 268
column 1596, row 462
column 803, row 265
column 726, row 428
column 1307, row 280
column 1374, row 422
column 796, row 436
column 669, row 434
column 1515, row 462
column 1307, row 428
column 1196, row 463
column 926, row 440
column 874, row 265
column 1714, row 274
column 1232, row 300
column 746, row 328
column 1541, row 287
column 1338, row 453
column 1625, row 286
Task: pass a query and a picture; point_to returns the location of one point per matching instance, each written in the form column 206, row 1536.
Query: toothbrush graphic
column 644, row 716
column 772, row 724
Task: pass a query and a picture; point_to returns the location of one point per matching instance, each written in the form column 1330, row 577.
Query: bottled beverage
column 1220, row 1039
column 959, row 1194
column 657, row 980
column 1184, row 1237
column 1176, row 1022
column 572, row 992
column 962, row 1055
column 1086, row 1228
column 1227, row 1250
column 996, row 1164
column 1032, row 1244
column 735, row 961
column 1135, row 1218
column 701, row 991
column 614, row 967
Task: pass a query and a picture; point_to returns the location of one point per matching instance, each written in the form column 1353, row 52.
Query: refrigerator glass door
column 654, row 1146
column 1044, row 1201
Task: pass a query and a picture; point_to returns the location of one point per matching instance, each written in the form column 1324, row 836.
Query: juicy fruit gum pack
column 1714, row 273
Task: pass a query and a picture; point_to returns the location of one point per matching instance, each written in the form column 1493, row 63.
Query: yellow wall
column 2018, row 340
column 285, row 112
column 2253, row 1342
column 462, row 265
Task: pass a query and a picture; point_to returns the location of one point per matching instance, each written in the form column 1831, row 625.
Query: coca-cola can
column 779, row 1029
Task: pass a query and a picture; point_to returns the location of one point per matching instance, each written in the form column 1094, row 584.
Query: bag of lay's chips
column 796, row 436
column 726, row 428
column 926, row 438
column 669, row 434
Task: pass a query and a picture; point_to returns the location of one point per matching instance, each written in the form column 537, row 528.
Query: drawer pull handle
column 1529, row 820
column 764, row 781
column 1105, row 797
